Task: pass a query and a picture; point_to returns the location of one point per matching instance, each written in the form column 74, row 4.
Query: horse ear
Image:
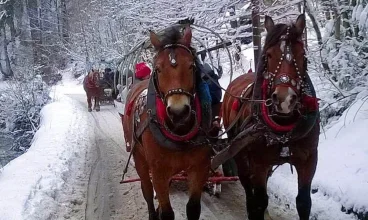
column 300, row 23
column 154, row 40
column 269, row 24
column 187, row 37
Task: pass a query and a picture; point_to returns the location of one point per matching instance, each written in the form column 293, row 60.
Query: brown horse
column 91, row 85
column 176, row 105
column 285, row 109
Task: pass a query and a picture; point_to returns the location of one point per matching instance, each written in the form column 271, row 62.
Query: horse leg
column 97, row 103
column 161, row 184
column 197, row 177
column 146, row 184
column 253, row 177
column 306, row 171
column 89, row 101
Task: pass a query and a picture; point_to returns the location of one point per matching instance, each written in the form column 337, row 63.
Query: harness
column 156, row 103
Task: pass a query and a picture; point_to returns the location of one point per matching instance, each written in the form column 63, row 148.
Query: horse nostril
column 274, row 98
column 168, row 110
column 180, row 112
column 186, row 110
column 293, row 99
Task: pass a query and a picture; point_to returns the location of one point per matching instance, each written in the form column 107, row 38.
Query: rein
column 242, row 98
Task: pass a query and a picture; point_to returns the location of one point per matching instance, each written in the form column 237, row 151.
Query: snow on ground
column 30, row 184
column 342, row 172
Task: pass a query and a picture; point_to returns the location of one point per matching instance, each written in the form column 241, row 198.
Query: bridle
column 173, row 63
column 284, row 79
column 273, row 79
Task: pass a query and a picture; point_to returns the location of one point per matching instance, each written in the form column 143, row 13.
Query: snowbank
column 30, row 184
column 342, row 173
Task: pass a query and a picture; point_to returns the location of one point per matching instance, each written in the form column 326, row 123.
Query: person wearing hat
column 142, row 71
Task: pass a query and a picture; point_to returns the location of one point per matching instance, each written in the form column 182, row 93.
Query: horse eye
column 269, row 55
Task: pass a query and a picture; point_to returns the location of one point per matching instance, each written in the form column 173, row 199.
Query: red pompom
column 235, row 105
column 310, row 103
column 142, row 71
column 161, row 110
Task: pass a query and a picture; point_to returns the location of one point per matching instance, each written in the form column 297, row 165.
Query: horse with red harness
column 91, row 85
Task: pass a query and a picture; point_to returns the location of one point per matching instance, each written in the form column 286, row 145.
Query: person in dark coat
column 108, row 78
column 215, row 90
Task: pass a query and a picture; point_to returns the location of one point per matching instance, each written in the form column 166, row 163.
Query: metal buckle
column 268, row 102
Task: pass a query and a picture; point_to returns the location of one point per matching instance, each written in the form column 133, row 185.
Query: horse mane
column 172, row 35
column 92, row 73
column 273, row 37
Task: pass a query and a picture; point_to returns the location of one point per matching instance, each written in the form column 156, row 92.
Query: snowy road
column 107, row 199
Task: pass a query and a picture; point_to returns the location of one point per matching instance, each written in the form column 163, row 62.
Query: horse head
column 94, row 77
column 284, row 65
column 174, row 72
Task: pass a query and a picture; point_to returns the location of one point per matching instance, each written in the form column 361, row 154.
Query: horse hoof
column 267, row 215
column 153, row 216
column 89, row 109
column 97, row 109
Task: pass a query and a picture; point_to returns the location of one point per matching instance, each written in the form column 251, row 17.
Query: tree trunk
column 8, row 70
column 9, row 8
column 326, row 7
column 64, row 21
column 256, row 32
column 337, row 18
column 36, row 35
column 345, row 17
column 19, row 18
column 356, row 27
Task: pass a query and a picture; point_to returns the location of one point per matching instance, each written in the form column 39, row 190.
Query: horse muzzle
column 178, row 108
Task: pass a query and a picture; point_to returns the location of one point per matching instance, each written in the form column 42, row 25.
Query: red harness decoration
column 266, row 116
column 310, row 103
column 128, row 110
column 235, row 105
column 162, row 116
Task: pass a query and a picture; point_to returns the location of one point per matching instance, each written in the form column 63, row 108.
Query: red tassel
column 161, row 110
column 310, row 103
column 235, row 105
column 128, row 110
